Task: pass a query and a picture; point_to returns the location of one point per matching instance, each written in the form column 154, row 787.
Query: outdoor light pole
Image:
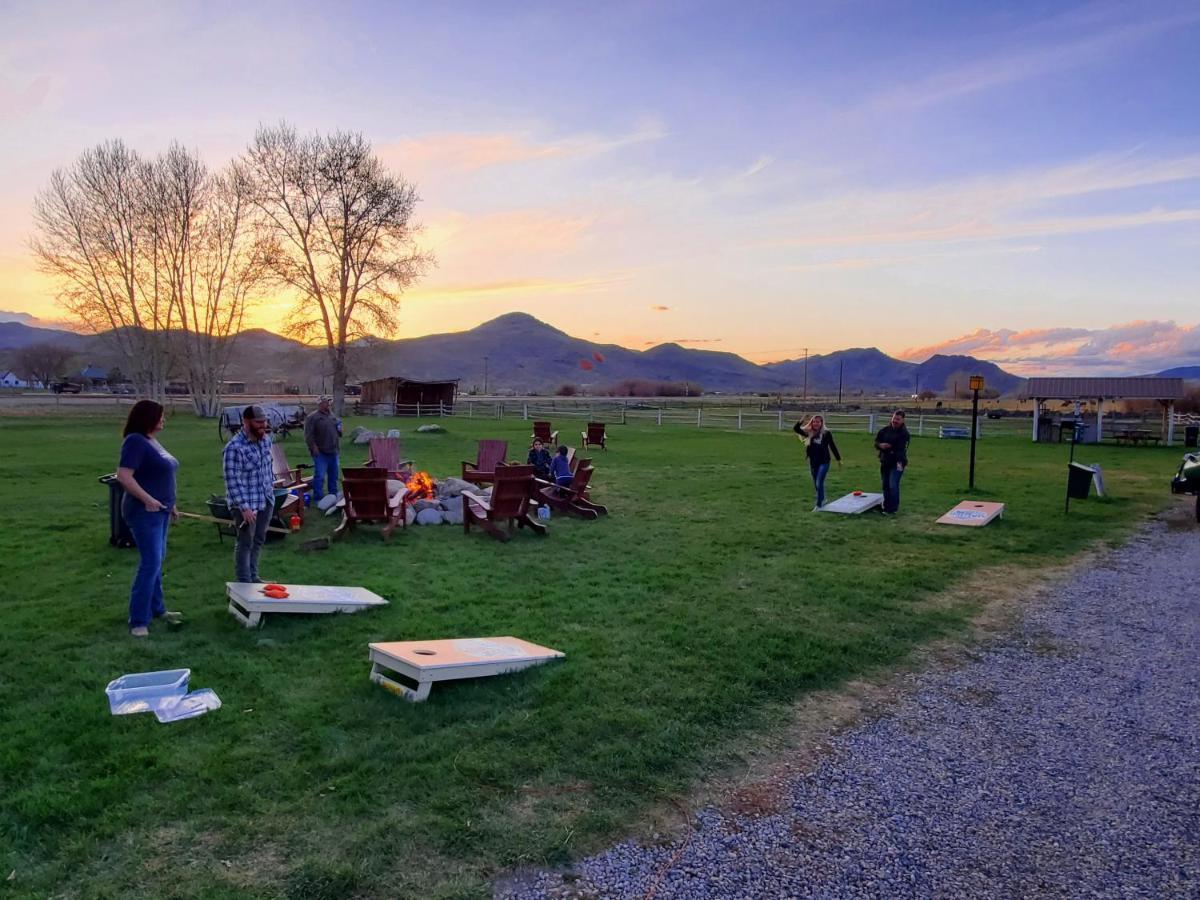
column 485, row 376
column 976, row 385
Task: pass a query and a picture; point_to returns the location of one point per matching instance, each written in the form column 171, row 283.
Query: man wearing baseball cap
column 322, row 433
column 250, row 489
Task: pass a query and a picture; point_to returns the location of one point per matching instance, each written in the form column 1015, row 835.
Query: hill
column 517, row 352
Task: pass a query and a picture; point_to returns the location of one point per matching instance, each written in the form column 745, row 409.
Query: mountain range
column 522, row 354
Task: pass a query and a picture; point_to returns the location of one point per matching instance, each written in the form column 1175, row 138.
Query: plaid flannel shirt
column 249, row 473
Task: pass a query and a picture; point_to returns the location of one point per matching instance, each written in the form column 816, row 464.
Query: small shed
column 401, row 396
column 1163, row 390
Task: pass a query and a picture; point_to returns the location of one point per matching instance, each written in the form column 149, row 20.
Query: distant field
column 691, row 617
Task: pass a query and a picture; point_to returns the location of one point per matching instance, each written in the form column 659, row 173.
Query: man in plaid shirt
column 250, row 490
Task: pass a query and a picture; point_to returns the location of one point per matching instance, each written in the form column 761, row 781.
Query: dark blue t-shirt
column 153, row 467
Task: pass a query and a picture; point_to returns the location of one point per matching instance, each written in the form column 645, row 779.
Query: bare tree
column 92, row 237
column 43, row 362
column 208, row 261
column 341, row 236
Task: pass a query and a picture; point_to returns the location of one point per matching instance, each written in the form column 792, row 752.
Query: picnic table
column 1136, row 436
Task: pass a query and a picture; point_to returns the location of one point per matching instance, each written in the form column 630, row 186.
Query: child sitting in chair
column 560, row 468
column 539, row 458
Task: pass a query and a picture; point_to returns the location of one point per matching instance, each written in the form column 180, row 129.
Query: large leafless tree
column 155, row 255
column 341, row 235
column 93, row 238
column 209, row 262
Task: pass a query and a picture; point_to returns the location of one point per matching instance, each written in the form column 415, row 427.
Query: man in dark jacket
column 892, row 444
column 322, row 433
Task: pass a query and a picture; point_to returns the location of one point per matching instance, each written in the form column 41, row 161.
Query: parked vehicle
column 997, row 413
column 122, row 388
column 354, row 390
column 178, row 388
column 66, row 387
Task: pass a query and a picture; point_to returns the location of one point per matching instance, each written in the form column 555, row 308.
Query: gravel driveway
column 1063, row 760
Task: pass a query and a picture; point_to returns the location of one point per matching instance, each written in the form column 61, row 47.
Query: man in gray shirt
column 322, row 433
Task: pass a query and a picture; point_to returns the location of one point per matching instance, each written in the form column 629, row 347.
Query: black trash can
column 1191, row 435
column 119, row 534
column 1079, row 480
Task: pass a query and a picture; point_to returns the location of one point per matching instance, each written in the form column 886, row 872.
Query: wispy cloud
column 1048, row 53
column 529, row 288
column 879, row 262
column 468, row 152
column 657, row 308
column 1127, row 348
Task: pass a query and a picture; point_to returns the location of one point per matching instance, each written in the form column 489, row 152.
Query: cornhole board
column 852, row 505
column 248, row 605
column 973, row 513
column 426, row 662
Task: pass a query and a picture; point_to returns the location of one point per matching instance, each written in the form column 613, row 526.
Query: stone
column 393, row 432
column 431, row 516
column 363, row 436
column 453, row 514
column 452, row 487
column 431, row 429
column 423, row 504
column 410, row 515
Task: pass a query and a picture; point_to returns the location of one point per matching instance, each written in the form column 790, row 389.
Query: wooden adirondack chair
column 287, row 476
column 367, row 500
column 509, row 504
column 594, row 436
column 542, row 432
column 573, row 498
column 491, row 454
column 386, row 454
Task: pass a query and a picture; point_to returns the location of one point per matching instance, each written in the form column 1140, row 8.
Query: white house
column 10, row 380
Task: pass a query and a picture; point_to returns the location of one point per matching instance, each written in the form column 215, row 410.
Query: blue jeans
column 818, row 474
column 149, row 530
column 324, row 464
column 890, row 477
column 250, row 539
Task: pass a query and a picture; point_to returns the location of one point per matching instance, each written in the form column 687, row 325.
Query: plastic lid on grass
column 197, row 703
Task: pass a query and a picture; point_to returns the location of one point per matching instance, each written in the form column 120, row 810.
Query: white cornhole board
column 248, row 604
column 974, row 513
column 428, row 661
column 852, row 505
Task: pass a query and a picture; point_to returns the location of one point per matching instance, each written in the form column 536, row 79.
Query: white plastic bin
column 144, row 691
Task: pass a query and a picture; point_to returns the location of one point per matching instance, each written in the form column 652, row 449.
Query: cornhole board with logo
column 426, row 662
column 853, row 504
column 248, row 604
column 973, row 513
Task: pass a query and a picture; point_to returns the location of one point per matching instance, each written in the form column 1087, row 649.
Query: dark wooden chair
column 594, row 436
column 542, row 432
column 386, row 453
column 286, row 475
column 508, row 507
column 572, row 499
column 491, row 453
column 367, row 500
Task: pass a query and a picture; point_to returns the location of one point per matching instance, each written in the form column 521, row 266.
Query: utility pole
column 485, row 390
column 841, row 366
column 806, row 374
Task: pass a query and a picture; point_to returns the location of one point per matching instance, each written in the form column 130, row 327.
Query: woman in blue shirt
column 147, row 472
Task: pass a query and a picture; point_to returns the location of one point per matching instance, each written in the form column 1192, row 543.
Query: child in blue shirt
column 560, row 468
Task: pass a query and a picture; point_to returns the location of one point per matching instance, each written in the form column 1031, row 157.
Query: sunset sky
column 1020, row 181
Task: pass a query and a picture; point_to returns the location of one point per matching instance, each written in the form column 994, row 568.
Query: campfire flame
column 420, row 486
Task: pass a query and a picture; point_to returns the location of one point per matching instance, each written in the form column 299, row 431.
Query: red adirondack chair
column 385, row 454
column 288, row 476
column 367, row 500
column 572, row 499
column 542, row 432
column 482, row 471
column 594, row 436
column 508, row 505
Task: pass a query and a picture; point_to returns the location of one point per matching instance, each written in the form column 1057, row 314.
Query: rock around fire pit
column 437, row 502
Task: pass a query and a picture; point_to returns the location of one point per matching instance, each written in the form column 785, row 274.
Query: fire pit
column 431, row 502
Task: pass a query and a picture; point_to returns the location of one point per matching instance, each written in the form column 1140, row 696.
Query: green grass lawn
column 691, row 616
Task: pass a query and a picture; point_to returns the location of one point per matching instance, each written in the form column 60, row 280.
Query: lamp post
column 976, row 385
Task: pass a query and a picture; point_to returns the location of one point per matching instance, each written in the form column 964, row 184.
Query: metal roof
column 1106, row 388
column 404, row 380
